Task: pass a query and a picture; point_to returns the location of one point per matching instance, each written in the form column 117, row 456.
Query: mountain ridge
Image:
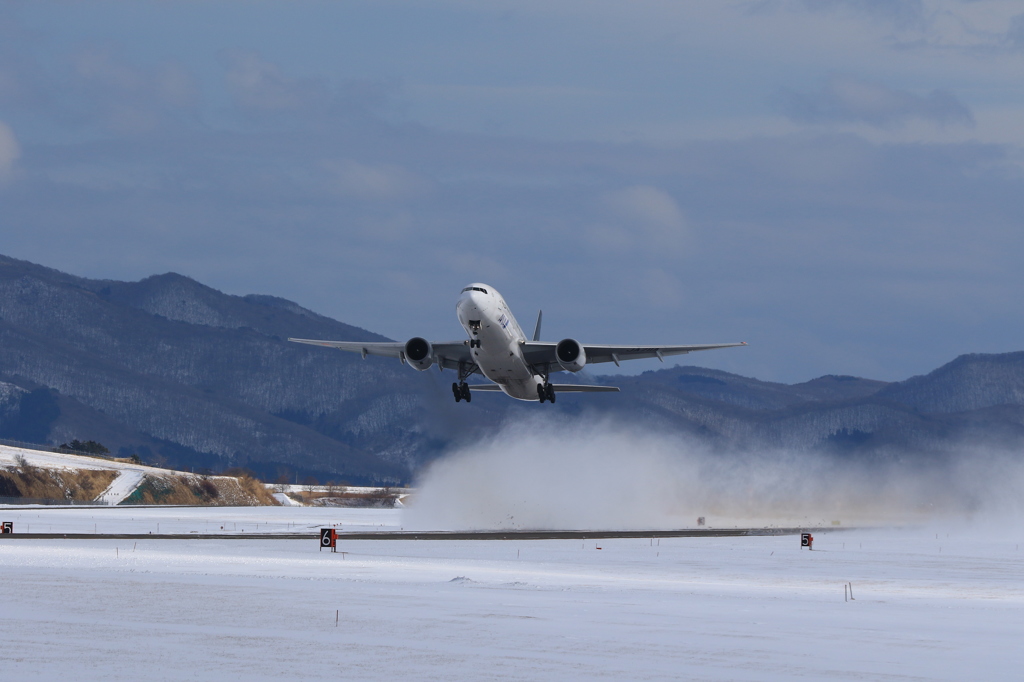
column 189, row 376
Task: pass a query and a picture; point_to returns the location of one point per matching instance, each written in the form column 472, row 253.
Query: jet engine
column 571, row 355
column 419, row 353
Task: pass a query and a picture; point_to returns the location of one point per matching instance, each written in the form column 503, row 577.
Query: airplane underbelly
column 500, row 361
column 525, row 389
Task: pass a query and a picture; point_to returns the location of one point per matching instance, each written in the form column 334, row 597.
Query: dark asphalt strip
column 433, row 535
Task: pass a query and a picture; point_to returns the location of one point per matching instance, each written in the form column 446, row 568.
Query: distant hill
column 187, row 376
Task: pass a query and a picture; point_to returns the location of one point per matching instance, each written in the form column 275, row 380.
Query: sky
column 840, row 183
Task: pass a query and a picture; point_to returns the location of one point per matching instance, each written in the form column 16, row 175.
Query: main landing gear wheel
column 546, row 392
column 461, row 392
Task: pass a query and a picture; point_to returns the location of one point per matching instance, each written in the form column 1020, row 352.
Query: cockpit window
column 480, row 289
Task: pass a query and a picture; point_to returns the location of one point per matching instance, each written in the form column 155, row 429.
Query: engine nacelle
column 571, row 355
column 419, row 353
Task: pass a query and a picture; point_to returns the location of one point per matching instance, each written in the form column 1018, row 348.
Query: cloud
column 845, row 99
column 375, row 182
column 662, row 289
column 808, row 241
column 261, row 90
column 9, row 151
column 900, row 13
column 129, row 100
column 11, row 88
column 642, row 218
column 257, row 84
column 1015, row 33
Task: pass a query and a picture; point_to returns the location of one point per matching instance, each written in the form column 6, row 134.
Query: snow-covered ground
column 60, row 460
column 944, row 602
column 200, row 520
column 121, row 487
column 355, row 489
column 129, row 476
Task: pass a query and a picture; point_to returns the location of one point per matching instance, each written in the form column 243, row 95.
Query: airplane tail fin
column 536, row 331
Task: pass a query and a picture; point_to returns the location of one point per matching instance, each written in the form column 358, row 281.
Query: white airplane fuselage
column 496, row 341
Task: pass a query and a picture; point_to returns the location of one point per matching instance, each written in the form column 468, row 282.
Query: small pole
column 336, row 612
column 844, row 594
column 851, row 592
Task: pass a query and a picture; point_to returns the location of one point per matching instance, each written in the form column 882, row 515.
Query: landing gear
column 461, row 391
column 546, row 391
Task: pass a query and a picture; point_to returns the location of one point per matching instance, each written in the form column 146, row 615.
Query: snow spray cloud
column 540, row 474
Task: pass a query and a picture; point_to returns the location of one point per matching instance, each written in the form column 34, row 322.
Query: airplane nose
column 466, row 308
column 473, row 299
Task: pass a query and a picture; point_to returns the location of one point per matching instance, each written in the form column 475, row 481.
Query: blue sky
column 836, row 182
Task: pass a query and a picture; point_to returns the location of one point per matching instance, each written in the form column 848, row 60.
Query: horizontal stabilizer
column 577, row 388
column 559, row 388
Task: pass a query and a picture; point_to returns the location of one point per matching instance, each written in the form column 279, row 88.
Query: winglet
column 536, row 331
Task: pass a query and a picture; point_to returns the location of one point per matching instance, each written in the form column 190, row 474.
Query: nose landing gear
column 461, row 391
column 546, row 391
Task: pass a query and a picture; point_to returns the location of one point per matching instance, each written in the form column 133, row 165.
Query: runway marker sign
column 7, row 527
column 329, row 538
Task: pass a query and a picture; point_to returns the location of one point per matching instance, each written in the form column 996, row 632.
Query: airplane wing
column 543, row 353
column 448, row 354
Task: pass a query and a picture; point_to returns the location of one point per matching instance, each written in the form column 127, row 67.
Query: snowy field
column 944, row 602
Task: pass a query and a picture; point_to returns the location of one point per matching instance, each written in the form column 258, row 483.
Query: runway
column 435, row 535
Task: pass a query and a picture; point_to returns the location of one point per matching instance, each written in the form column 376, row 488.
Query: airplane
column 498, row 349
